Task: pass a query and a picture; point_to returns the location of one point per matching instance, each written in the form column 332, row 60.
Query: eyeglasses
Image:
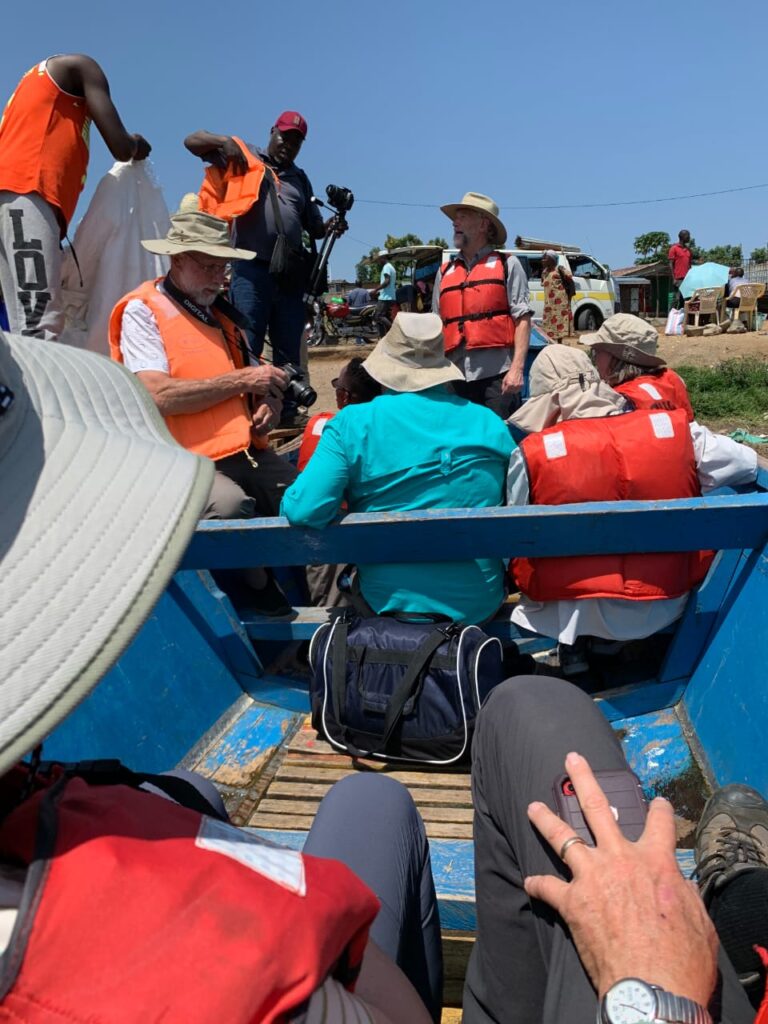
column 210, row 267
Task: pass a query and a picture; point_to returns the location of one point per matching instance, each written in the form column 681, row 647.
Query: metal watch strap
column 678, row 1009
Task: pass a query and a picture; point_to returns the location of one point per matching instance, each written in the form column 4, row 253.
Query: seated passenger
column 624, row 352
column 185, row 346
column 582, row 446
column 417, row 446
column 353, row 385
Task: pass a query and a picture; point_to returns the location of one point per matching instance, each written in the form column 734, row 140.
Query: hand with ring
column 630, row 911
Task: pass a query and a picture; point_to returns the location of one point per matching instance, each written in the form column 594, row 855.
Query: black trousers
column 524, row 969
column 487, row 392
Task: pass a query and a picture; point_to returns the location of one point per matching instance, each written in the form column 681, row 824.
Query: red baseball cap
column 291, row 121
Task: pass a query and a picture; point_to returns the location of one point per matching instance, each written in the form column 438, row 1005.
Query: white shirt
column 140, row 340
column 720, row 462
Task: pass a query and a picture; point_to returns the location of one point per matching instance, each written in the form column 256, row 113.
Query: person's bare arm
column 173, row 397
column 81, row 75
column 630, row 911
column 387, row 993
column 514, row 377
column 218, row 150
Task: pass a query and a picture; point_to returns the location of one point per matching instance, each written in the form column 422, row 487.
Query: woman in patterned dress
column 557, row 302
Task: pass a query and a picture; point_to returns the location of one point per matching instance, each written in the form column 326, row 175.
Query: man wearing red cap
column 286, row 210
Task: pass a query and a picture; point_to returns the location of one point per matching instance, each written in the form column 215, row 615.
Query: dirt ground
column 325, row 363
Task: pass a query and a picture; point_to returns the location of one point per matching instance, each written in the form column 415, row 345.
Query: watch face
column 630, row 1001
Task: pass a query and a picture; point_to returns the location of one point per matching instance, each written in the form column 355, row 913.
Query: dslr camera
column 340, row 198
column 298, row 388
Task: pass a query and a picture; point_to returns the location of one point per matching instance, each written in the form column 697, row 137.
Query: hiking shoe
column 269, row 600
column 732, row 836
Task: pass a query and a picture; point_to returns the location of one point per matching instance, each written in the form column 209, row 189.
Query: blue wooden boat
column 208, row 687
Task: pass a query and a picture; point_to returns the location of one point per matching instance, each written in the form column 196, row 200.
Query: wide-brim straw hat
column 98, row 506
column 477, row 201
column 411, row 355
column 192, row 231
column 628, row 338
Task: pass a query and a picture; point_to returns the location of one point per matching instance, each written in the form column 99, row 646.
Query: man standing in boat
column 183, row 341
column 44, row 142
column 481, row 295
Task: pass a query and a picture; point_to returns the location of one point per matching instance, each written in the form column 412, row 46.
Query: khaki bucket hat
column 477, row 201
column 411, row 355
column 628, row 338
column 192, row 231
column 98, row 506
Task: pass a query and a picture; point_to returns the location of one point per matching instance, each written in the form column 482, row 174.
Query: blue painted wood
column 727, row 697
column 723, row 521
column 640, row 699
column 655, row 748
column 245, row 748
column 282, row 692
column 695, row 626
column 167, row 689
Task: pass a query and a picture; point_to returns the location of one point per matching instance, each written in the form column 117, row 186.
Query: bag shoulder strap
column 408, row 683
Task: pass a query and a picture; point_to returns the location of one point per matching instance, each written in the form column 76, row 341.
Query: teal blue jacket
column 428, row 449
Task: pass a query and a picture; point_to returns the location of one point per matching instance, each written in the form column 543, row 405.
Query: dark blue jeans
column 370, row 823
column 255, row 293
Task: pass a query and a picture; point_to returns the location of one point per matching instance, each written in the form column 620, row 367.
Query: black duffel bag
column 401, row 688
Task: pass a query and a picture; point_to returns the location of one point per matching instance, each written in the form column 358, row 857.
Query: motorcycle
column 335, row 322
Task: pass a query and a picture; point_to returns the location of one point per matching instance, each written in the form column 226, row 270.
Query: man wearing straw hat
column 184, row 343
column 416, row 446
column 482, row 297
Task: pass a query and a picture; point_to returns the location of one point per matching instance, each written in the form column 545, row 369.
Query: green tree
column 400, row 242
column 438, row 241
column 729, row 255
column 366, row 270
column 760, row 254
column 652, row 246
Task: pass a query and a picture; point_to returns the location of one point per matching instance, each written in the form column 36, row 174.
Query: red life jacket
column 311, row 437
column 474, row 306
column 638, row 456
column 667, row 386
column 143, row 910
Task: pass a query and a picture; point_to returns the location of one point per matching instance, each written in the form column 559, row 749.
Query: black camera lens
column 299, row 390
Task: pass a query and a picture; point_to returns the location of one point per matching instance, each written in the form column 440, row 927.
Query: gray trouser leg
column 30, row 266
column 371, row 824
column 524, row 967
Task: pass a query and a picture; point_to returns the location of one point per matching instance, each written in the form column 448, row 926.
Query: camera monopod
column 340, row 202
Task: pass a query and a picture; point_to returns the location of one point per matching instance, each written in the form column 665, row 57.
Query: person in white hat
column 585, row 444
column 418, row 445
column 481, row 295
column 186, row 346
column 624, row 353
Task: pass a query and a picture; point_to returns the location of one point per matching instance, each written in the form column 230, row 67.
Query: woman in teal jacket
column 416, row 446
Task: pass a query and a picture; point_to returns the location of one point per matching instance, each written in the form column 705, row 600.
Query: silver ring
column 569, row 843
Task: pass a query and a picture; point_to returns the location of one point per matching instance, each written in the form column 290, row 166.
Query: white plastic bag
column 675, row 321
column 128, row 205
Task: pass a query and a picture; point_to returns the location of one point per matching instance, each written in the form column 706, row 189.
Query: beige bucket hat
column 628, row 338
column 411, row 356
column 477, row 201
column 564, row 385
column 192, row 231
column 98, row 506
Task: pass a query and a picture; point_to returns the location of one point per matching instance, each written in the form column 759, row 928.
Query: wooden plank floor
column 310, row 767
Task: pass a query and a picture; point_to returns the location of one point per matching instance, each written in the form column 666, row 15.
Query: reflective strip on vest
column 638, row 456
column 195, row 351
column 666, row 386
column 474, row 306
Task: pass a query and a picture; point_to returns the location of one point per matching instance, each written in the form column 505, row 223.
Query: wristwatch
column 633, row 1001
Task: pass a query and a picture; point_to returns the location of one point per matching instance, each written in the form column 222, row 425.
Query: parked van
column 596, row 298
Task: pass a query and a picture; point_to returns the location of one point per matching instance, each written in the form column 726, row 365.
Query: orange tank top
column 44, row 136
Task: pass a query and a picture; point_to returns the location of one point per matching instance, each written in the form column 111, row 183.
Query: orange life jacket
column 311, row 437
column 228, row 195
column 474, row 305
column 44, row 137
column 195, row 351
column 667, row 386
column 639, row 456
column 143, row 910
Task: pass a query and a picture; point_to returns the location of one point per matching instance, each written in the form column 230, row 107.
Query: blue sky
column 535, row 105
